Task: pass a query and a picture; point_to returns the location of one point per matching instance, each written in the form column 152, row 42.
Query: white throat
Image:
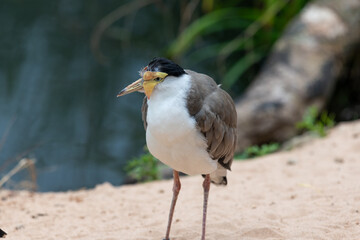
column 167, row 105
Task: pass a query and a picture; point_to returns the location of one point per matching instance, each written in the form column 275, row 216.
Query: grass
column 316, row 122
column 258, row 151
column 144, row 168
column 312, row 121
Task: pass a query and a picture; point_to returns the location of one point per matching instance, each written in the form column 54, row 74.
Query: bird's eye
column 157, row 79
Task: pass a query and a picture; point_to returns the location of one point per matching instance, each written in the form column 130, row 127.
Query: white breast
column 171, row 134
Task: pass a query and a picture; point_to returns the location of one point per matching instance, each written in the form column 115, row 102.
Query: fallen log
column 300, row 72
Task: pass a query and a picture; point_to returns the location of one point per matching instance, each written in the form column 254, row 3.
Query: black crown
column 160, row 64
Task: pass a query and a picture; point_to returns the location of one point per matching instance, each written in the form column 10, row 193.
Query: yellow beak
column 135, row 86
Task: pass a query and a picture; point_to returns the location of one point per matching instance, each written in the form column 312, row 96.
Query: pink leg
column 176, row 190
column 206, row 186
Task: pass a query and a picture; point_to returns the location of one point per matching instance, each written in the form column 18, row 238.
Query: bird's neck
column 172, row 87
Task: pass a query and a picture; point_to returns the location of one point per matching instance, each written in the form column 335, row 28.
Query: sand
column 311, row 192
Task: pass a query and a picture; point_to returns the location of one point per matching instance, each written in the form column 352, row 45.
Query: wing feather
column 215, row 115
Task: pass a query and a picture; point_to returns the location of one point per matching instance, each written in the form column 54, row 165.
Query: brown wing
column 144, row 111
column 215, row 115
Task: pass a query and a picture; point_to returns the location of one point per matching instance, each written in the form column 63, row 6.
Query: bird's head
column 153, row 74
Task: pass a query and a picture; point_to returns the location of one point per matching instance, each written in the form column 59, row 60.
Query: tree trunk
column 301, row 71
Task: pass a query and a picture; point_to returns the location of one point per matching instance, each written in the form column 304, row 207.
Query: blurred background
column 62, row 63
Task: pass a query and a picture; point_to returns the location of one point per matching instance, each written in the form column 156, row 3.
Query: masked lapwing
column 190, row 125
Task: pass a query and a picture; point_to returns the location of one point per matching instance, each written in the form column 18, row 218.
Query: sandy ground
column 311, row 192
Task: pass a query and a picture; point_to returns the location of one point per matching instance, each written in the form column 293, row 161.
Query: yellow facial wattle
column 151, row 79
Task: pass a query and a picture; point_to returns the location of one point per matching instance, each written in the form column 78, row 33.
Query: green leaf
column 314, row 123
column 257, row 151
column 184, row 41
column 144, row 168
column 205, row 53
column 239, row 68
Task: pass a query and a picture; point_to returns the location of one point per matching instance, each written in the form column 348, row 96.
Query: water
column 58, row 102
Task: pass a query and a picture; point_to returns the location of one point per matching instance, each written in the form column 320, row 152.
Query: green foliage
column 237, row 34
column 314, row 123
column 144, row 168
column 257, row 151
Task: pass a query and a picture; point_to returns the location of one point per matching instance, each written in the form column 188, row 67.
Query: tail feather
column 218, row 177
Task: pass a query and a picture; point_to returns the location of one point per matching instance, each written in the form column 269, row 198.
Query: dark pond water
column 58, row 102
